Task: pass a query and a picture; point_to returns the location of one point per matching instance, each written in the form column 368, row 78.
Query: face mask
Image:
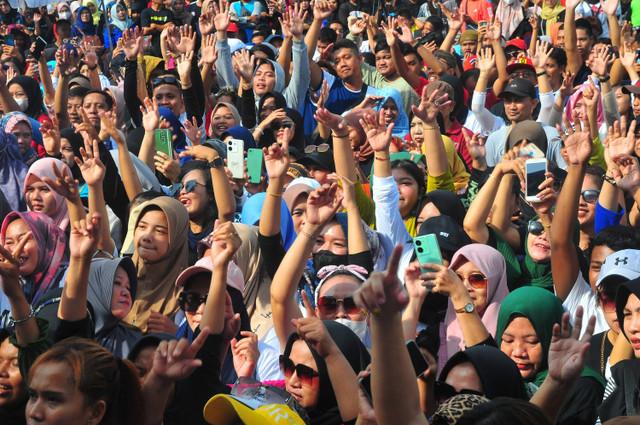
column 358, row 328
column 328, row 258
column 23, row 104
column 65, row 15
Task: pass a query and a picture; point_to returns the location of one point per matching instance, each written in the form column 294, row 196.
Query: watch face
column 469, row 307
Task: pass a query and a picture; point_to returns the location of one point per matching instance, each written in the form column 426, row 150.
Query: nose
column 4, row 368
column 200, row 309
column 34, row 410
column 341, row 313
column 518, row 350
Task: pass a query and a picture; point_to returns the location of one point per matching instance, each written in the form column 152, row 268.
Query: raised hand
column 617, row 144
column 413, row 282
column 627, row 174
column 314, row 332
column 601, row 62
column 486, row 61
column 175, row 360
column 276, row 159
column 494, row 30
column 51, row 136
column 628, row 55
column 548, row 197
column 356, row 26
column 192, row 131
column 543, row 51
column 335, row 122
column 390, row 31
column 133, row 43
column 568, row 352
column 475, row 146
column 86, row 128
column 10, row 265
column 533, row 21
column 578, row 143
column 64, row 61
column 64, row 184
column 348, row 192
column 321, row 10
column 245, row 354
column 85, row 236
column 244, row 63
column 92, row 169
column 292, row 23
column 378, row 136
column 429, row 106
column 108, row 121
column 184, row 65
column 150, row 115
column 222, row 20
column 206, row 22
column 187, row 40
column 610, row 7
column 209, row 52
column 566, row 88
column 170, row 167
column 224, row 244
column 456, row 19
column 591, row 95
column 383, row 293
column 90, row 56
column 322, row 204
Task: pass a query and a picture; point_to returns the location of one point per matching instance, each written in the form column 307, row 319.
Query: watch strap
column 216, row 163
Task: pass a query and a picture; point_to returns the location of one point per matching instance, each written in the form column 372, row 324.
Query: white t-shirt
column 582, row 295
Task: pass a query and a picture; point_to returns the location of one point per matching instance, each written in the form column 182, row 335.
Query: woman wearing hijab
column 96, row 13
column 223, row 116
column 392, row 111
column 18, row 124
column 45, row 256
column 84, row 24
column 180, row 13
column 552, row 12
column 111, row 292
column 524, row 331
column 158, row 239
column 252, row 210
column 43, row 198
column 120, row 21
column 31, row 102
column 268, row 107
column 440, row 202
column 274, row 133
column 12, row 171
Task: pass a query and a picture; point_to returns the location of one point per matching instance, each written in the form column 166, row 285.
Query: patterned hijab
column 43, row 168
column 12, row 171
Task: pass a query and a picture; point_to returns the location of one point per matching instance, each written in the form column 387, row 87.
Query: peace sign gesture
column 10, row 266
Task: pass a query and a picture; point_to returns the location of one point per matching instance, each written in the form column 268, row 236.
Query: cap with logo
column 521, row 63
column 516, row 43
column 521, row 88
column 625, row 264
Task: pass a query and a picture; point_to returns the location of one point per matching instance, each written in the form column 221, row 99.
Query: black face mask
column 328, row 258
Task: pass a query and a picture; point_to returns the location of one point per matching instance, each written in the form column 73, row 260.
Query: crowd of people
column 320, row 212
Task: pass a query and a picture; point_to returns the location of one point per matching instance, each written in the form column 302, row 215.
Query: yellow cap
column 224, row 409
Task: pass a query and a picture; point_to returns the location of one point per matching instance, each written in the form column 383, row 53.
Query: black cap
column 451, row 237
column 521, row 88
column 322, row 159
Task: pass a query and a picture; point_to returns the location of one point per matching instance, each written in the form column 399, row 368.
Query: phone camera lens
column 420, row 250
column 230, row 148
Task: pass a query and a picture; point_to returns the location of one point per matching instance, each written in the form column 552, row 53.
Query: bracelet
column 609, row 180
column 492, row 176
column 341, row 136
column 433, row 127
column 15, row 322
column 604, row 79
column 308, row 235
column 260, row 130
column 381, row 159
column 275, row 195
column 94, row 67
column 246, row 86
column 540, row 74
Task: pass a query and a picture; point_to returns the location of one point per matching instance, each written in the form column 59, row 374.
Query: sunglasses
column 607, row 300
column 305, row 373
column 443, row 391
column 476, row 280
column 522, row 75
column 164, row 80
column 320, row 148
column 535, row 228
column 590, row 195
column 276, row 126
column 328, row 305
column 189, row 186
column 512, row 54
column 190, row 301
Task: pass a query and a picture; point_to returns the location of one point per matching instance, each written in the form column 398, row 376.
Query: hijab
column 252, row 210
column 96, row 16
column 43, row 168
column 109, row 330
column 278, row 97
column 326, row 412
column 498, row 374
column 554, row 29
column 510, row 14
column 460, row 110
column 550, row 14
column 573, row 99
column 119, row 23
column 79, row 28
column 239, row 132
column 122, row 113
column 280, row 78
column 76, row 143
column 543, row 309
column 298, row 142
column 180, row 141
column 622, row 296
column 491, row 263
column 401, row 127
column 9, row 122
column 32, row 90
column 53, row 252
column 234, row 111
column 12, row 171
column 448, row 203
column 156, row 281
column 182, row 18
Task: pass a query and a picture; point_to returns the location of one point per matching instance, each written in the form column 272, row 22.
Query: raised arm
column 7, row 103
column 65, row 185
column 321, row 12
column 396, row 55
column 45, row 80
column 494, row 33
column 427, row 111
column 456, row 20
column 564, row 254
column 61, row 99
column 150, row 121
column 574, row 59
column 610, row 7
column 276, row 160
column 486, row 63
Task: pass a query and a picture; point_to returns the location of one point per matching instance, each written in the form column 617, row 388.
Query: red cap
column 518, row 43
column 521, row 63
column 233, row 27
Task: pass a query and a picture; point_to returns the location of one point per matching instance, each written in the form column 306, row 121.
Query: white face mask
column 358, row 328
column 64, row 15
column 23, row 104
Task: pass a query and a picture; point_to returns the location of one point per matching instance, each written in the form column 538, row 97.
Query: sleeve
column 115, row 194
column 191, row 104
column 371, row 76
column 300, row 78
column 610, row 106
column 605, row 217
column 388, row 218
column 489, row 341
column 145, row 18
column 442, row 182
column 273, row 251
column 546, row 105
column 365, row 204
column 484, row 117
column 131, row 91
column 226, row 76
column 81, row 328
column 29, row 352
column 597, row 154
column 248, row 109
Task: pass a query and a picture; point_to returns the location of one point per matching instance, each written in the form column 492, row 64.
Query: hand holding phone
column 427, row 250
column 535, row 170
column 235, row 157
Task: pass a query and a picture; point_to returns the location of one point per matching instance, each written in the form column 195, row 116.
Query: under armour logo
column 622, row 260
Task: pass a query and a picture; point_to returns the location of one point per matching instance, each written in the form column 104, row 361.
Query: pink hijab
column 573, row 99
column 491, row 263
column 42, row 168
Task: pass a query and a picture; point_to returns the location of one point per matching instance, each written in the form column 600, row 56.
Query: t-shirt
column 372, row 77
column 582, row 295
column 161, row 17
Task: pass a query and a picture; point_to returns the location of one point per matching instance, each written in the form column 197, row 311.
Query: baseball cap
column 293, row 192
column 516, row 43
column 520, row 87
column 235, row 277
column 225, row 409
column 631, row 88
column 297, row 170
column 521, row 63
column 625, row 263
column 451, row 237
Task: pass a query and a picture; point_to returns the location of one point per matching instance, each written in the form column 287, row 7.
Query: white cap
column 625, row 263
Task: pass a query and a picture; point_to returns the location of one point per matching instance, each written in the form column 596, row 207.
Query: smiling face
column 264, row 79
column 29, row 255
column 121, row 297
column 520, row 342
column 306, row 393
column 408, row 189
column 12, row 388
column 539, row 247
column 631, row 316
column 346, row 63
column 221, row 121
column 587, row 211
column 478, row 295
column 195, row 201
column 151, row 236
column 519, row 108
column 388, row 112
column 39, row 196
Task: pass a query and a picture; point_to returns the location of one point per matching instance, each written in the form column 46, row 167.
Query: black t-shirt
column 599, row 352
column 194, row 9
column 161, row 17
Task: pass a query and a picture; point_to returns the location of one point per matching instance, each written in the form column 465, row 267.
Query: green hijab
column 543, row 309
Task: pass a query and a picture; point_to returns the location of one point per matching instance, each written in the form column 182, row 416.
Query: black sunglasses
column 535, row 228
column 443, row 392
column 276, row 126
column 190, row 301
column 305, row 373
column 590, row 195
column 189, row 186
column 169, row 79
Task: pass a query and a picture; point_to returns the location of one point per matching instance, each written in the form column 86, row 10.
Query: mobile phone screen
column 535, row 177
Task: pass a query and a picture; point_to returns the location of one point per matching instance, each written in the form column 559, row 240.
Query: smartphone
column 8, row 40
column 535, row 170
column 420, row 364
column 164, row 141
column 613, row 51
column 531, row 150
column 235, row 157
column 39, row 48
column 427, row 250
column 255, row 165
column 365, row 384
column 483, row 23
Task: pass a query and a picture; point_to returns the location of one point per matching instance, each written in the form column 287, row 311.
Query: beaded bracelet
column 15, row 322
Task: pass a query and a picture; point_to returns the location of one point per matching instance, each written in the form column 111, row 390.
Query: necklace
column 604, row 337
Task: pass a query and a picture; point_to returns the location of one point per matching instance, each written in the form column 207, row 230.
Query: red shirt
column 456, row 135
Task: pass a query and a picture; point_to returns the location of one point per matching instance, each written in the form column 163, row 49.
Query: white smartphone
column 235, row 157
column 535, row 174
column 531, row 150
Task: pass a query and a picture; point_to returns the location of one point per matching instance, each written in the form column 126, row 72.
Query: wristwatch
column 216, row 163
column 468, row 308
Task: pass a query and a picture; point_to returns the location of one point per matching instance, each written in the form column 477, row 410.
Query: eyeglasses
column 607, row 300
column 190, row 301
column 535, row 228
column 164, row 80
column 189, row 186
column 443, row 391
column 305, row 373
column 590, row 195
column 522, row 75
column 512, row 54
column 476, row 280
column 320, row 148
column 328, row 305
column 276, row 126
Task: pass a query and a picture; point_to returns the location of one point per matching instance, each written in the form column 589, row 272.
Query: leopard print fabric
column 451, row 410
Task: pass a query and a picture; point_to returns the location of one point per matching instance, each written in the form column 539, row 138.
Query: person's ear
column 534, row 103
column 98, row 410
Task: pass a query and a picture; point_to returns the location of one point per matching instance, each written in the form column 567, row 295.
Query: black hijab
column 622, row 295
column 76, row 143
column 460, row 110
column 447, row 203
column 278, row 97
column 32, row 89
column 499, row 374
column 299, row 140
column 326, row 412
